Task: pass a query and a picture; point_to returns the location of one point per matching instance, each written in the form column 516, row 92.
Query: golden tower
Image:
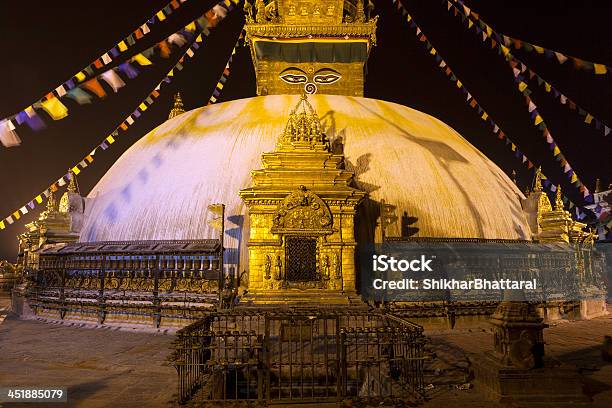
column 309, row 46
column 301, row 211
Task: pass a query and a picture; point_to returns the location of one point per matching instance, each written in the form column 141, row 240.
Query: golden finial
column 177, row 109
column 73, row 187
column 51, row 204
column 597, row 185
column 538, row 180
column 303, row 126
column 559, row 199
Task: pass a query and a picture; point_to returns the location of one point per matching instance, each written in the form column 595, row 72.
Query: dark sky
column 44, row 43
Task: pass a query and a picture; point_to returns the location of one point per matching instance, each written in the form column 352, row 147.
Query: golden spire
column 538, row 180
column 51, row 204
column 177, row 109
column 559, row 200
column 303, row 127
column 73, row 187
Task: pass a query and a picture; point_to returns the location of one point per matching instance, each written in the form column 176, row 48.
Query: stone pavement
column 105, row 367
column 100, row 367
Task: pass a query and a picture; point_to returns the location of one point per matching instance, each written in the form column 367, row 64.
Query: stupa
column 307, row 170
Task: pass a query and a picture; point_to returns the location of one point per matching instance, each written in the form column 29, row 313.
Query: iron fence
column 298, row 355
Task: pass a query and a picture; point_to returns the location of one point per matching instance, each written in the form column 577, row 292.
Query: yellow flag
column 76, row 170
column 55, row 108
column 574, row 178
column 489, row 31
column 122, row 46
column 142, row 107
column 470, row 24
column 160, row 15
column 16, row 215
column 190, row 27
column 199, row 38
column 2, row 225
column 539, row 50
column 141, row 59
column 216, row 209
column 433, row 51
column 588, row 118
column 110, row 139
column 215, row 223
column 556, row 151
column 38, row 199
column 485, row 115
column 505, row 50
column 547, row 87
column 80, row 76
column 459, row 84
column 522, row 86
column 600, row 69
column 538, row 120
column 171, row 73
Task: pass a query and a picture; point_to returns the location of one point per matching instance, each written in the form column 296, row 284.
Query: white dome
column 161, row 186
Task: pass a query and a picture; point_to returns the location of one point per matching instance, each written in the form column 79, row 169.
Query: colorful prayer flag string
column 523, row 88
column 110, row 55
column 578, row 63
column 470, row 99
column 225, row 75
column 84, row 92
column 200, row 34
column 472, row 19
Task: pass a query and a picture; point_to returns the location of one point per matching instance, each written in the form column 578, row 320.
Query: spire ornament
column 559, row 200
column 303, row 129
column 177, row 109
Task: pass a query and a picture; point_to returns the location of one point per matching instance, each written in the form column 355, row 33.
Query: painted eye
column 294, row 78
column 326, row 79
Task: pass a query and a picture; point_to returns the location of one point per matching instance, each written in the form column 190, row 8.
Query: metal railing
column 298, row 355
column 150, row 279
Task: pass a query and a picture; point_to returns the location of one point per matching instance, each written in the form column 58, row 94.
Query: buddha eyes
column 294, row 78
column 326, row 79
column 325, row 76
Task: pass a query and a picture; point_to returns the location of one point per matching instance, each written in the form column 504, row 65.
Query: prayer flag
column 55, row 108
column 113, row 79
column 8, row 136
column 600, row 69
column 141, row 59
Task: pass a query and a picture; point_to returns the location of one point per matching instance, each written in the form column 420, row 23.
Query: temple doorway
column 301, row 259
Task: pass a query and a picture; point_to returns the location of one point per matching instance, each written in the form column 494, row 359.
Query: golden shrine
column 302, row 209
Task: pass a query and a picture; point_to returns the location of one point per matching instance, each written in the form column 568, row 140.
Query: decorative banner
column 597, row 69
column 84, row 92
column 200, row 34
column 538, row 120
column 110, row 55
column 472, row 19
column 225, row 75
column 470, row 99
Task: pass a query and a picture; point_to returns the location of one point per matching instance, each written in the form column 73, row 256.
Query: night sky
column 43, row 43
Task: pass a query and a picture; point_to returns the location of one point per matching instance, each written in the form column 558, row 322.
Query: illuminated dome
column 161, row 186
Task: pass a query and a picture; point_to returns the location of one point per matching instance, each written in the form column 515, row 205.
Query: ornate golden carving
column 304, row 212
column 177, row 108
